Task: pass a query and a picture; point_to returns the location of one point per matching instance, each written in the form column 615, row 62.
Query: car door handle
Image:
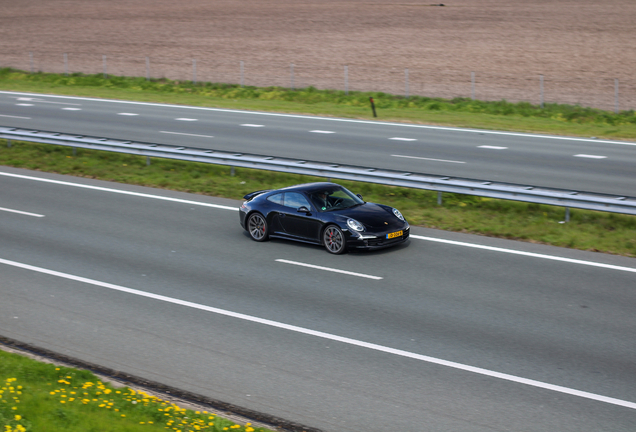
column 281, row 215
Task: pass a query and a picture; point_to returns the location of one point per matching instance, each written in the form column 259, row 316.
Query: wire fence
column 604, row 93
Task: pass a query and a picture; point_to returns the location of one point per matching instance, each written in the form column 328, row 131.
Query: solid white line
column 328, row 336
column 402, row 139
column 103, row 189
column 529, row 254
column 423, row 158
column 18, row 117
column 590, row 156
column 413, row 236
column 322, row 131
column 21, row 212
column 189, row 134
column 186, row 119
column 480, row 131
column 329, row 269
column 492, row 147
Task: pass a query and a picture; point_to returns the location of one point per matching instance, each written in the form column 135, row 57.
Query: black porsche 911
column 324, row 214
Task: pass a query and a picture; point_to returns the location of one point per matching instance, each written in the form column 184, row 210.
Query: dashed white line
column 18, row 117
column 429, row 159
column 72, row 109
column 127, row 114
column 492, row 147
column 252, row 125
column 332, row 337
column 24, row 104
column 186, row 119
column 21, row 212
column 590, row 156
column 189, row 134
column 322, row 131
column 362, row 275
column 402, row 139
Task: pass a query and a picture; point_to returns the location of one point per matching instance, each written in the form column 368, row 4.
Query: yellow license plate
column 394, row 235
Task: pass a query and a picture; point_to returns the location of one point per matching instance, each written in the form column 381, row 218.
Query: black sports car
column 324, row 214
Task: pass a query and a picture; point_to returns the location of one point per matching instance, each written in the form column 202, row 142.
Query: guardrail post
column 567, row 214
column 9, row 143
column 147, row 160
column 439, row 198
column 232, row 171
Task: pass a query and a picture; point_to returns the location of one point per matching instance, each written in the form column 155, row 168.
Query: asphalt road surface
column 580, row 164
column 449, row 332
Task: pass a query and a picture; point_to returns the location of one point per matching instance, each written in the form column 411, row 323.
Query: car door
column 302, row 225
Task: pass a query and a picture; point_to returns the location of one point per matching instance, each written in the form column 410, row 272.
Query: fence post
column 406, row 81
column 105, row 70
column 194, row 71
column 472, row 85
column 346, row 71
column 147, row 69
column 616, row 95
column 65, row 64
column 541, row 90
column 242, row 72
column 31, row 60
column 439, row 198
column 291, row 71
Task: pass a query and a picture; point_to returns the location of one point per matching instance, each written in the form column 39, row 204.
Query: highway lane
column 568, row 324
column 562, row 162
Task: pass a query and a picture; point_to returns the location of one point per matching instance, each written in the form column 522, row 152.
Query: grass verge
column 556, row 119
column 587, row 230
column 37, row 396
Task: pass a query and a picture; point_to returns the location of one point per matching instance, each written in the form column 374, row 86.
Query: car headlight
column 355, row 225
column 397, row 214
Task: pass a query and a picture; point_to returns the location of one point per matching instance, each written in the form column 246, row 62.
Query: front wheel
column 257, row 227
column 334, row 240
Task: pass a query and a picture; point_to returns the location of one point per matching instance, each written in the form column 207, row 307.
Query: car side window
column 276, row 199
column 296, row 200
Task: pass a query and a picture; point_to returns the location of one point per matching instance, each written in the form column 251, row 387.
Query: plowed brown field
column 580, row 46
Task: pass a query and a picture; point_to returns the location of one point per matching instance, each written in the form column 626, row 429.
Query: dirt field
column 580, row 46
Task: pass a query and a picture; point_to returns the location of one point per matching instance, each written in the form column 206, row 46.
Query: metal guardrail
column 490, row 189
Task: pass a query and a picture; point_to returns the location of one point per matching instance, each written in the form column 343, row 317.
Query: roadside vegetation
column 587, row 230
column 462, row 112
column 37, row 396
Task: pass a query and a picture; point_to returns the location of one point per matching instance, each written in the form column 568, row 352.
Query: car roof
column 310, row 186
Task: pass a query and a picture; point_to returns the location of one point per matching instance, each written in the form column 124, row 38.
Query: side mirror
column 303, row 209
column 360, row 196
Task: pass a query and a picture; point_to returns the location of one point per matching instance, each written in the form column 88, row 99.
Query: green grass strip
column 587, row 230
column 37, row 396
column 553, row 118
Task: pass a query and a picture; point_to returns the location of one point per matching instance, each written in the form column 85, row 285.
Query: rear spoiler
column 251, row 195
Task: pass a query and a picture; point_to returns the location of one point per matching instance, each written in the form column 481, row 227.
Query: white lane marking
column 402, row 139
column 72, row 109
column 252, row 125
column 492, row 147
column 322, row 131
column 329, row 336
column 38, row 100
column 413, row 236
column 590, row 156
column 430, row 159
column 186, row 119
column 24, row 104
column 529, row 254
column 362, row 275
column 123, row 192
column 480, row 131
column 18, row 117
column 127, row 114
column 21, row 212
column 189, row 134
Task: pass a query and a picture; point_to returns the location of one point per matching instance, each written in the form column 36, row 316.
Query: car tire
column 257, row 227
column 334, row 240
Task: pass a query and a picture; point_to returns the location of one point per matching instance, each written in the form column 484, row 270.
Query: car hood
column 373, row 216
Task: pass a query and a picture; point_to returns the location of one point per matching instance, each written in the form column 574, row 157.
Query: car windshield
column 334, row 198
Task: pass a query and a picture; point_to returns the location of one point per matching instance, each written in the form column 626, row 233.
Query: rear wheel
column 257, row 227
column 334, row 240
